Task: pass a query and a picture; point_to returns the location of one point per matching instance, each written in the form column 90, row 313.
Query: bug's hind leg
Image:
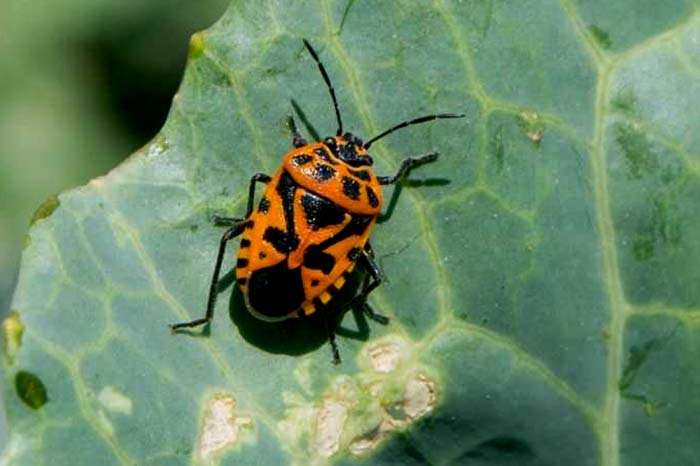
column 330, row 328
column 369, row 284
column 330, row 322
column 406, row 166
column 213, row 288
column 237, row 225
column 297, row 139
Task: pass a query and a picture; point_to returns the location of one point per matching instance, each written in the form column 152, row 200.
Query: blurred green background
column 83, row 84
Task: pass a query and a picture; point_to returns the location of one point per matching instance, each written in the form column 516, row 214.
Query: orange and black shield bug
column 312, row 226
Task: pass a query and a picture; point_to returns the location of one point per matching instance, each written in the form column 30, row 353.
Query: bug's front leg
column 406, row 166
column 257, row 178
column 221, row 220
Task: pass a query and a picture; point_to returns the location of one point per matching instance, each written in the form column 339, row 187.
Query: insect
column 311, row 227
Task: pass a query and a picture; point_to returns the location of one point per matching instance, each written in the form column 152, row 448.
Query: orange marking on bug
column 331, row 187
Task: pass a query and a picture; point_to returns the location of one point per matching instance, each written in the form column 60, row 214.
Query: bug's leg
column 238, row 225
column 223, row 221
column 370, row 283
column 258, row 177
column 213, row 288
column 330, row 324
column 297, row 139
column 406, row 166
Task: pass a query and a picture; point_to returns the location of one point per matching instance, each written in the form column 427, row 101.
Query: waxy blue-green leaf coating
column 542, row 275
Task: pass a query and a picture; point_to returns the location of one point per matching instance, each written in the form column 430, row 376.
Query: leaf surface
column 541, row 276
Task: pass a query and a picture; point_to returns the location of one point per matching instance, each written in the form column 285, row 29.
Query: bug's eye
column 359, row 161
column 365, row 160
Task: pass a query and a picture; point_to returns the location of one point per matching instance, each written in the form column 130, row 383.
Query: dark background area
column 83, row 84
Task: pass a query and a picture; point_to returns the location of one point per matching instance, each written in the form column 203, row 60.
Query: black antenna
column 328, row 83
column 415, row 121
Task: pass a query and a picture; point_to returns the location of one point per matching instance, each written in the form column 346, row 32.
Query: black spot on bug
column 242, row 263
column 315, row 258
column 323, row 172
column 300, row 160
column 241, row 281
column 321, row 212
column 323, row 155
column 276, row 291
column 314, row 282
column 354, row 254
column 280, row 240
column 245, row 243
column 351, row 188
column 286, row 189
column 262, row 255
column 361, row 174
column 372, row 197
column 264, row 206
column 249, row 224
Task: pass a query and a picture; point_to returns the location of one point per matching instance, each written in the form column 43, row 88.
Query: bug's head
column 349, row 149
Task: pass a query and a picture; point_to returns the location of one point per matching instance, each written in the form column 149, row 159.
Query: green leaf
column 541, row 276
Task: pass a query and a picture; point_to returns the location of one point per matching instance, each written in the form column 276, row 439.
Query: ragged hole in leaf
column 330, row 421
column 221, row 428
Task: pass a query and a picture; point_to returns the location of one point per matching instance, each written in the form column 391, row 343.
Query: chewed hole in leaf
column 221, row 428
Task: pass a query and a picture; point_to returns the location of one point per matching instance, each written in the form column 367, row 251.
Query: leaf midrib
column 607, row 64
